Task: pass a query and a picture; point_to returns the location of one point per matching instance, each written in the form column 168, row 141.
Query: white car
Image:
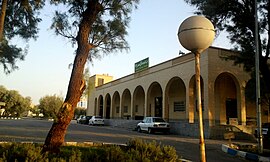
column 96, row 120
column 153, row 124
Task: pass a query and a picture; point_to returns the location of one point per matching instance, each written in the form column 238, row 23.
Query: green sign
column 142, row 65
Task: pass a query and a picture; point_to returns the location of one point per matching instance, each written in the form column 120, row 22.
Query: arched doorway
column 175, row 99
column 138, row 103
column 100, row 106
column 226, row 99
column 96, row 107
column 154, row 95
column 126, row 104
column 115, row 105
column 107, row 106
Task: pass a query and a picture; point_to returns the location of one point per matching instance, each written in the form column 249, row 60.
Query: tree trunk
column 56, row 135
column 2, row 18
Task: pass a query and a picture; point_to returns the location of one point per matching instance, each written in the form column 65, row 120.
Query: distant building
column 82, row 103
column 168, row 90
column 95, row 81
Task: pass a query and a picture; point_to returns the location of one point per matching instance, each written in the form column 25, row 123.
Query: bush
column 136, row 150
column 142, row 151
column 21, row 152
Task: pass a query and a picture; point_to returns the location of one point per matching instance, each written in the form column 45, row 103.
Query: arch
column 154, row 98
column 138, row 103
column 175, row 101
column 95, row 106
column 192, row 99
column 227, row 98
column 126, row 104
column 115, row 105
column 107, row 106
column 100, row 106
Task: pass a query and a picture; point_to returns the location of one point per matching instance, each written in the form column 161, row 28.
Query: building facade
column 168, row 90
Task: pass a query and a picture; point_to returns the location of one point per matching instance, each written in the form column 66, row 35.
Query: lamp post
column 196, row 34
column 258, row 93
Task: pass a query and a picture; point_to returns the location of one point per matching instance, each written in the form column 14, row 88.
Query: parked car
column 265, row 128
column 79, row 118
column 266, row 140
column 153, row 124
column 96, row 120
column 265, row 135
column 218, row 131
column 84, row 119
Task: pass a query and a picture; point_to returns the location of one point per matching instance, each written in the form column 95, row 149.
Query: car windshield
column 97, row 117
column 235, row 129
column 158, row 120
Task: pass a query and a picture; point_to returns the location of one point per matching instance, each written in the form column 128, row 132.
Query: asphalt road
column 29, row 130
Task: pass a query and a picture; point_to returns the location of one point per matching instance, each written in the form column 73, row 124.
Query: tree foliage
column 79, row 111
column 107, row 30
column 20, row 21
column 237, row 18
column 49, row 105
column 16, row 105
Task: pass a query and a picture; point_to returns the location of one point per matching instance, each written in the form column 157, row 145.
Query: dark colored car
column 84, row 119
column 265, row 135
column 218, row 132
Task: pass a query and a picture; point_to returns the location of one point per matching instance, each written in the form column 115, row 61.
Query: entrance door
column 101, row 108
column 158, row 106
column 231, row 109
column 108, row 108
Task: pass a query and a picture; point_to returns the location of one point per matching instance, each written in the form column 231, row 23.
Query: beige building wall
column 93, row 82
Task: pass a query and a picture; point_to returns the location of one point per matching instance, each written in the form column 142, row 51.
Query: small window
column 144, row 120
column 179, row 106
column 125, row 109
column 136, row 108
column 100, row 81
column 147, row 120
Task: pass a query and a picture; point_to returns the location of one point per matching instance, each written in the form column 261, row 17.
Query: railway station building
column 168, row 90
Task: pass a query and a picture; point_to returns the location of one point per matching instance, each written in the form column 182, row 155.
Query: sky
column 152, row 33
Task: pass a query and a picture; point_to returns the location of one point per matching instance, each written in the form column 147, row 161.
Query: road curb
column 249, row 156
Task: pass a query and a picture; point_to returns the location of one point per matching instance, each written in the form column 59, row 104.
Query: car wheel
column 139, row 129
column 150, row 131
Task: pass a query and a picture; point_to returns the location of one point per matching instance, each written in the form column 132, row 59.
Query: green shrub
column 136, row 150
column 21, row 152
column 140, row 150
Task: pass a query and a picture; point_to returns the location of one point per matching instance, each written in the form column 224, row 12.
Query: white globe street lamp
column 196, row 34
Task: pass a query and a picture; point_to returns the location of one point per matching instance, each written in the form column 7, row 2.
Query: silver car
column 153, row 124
